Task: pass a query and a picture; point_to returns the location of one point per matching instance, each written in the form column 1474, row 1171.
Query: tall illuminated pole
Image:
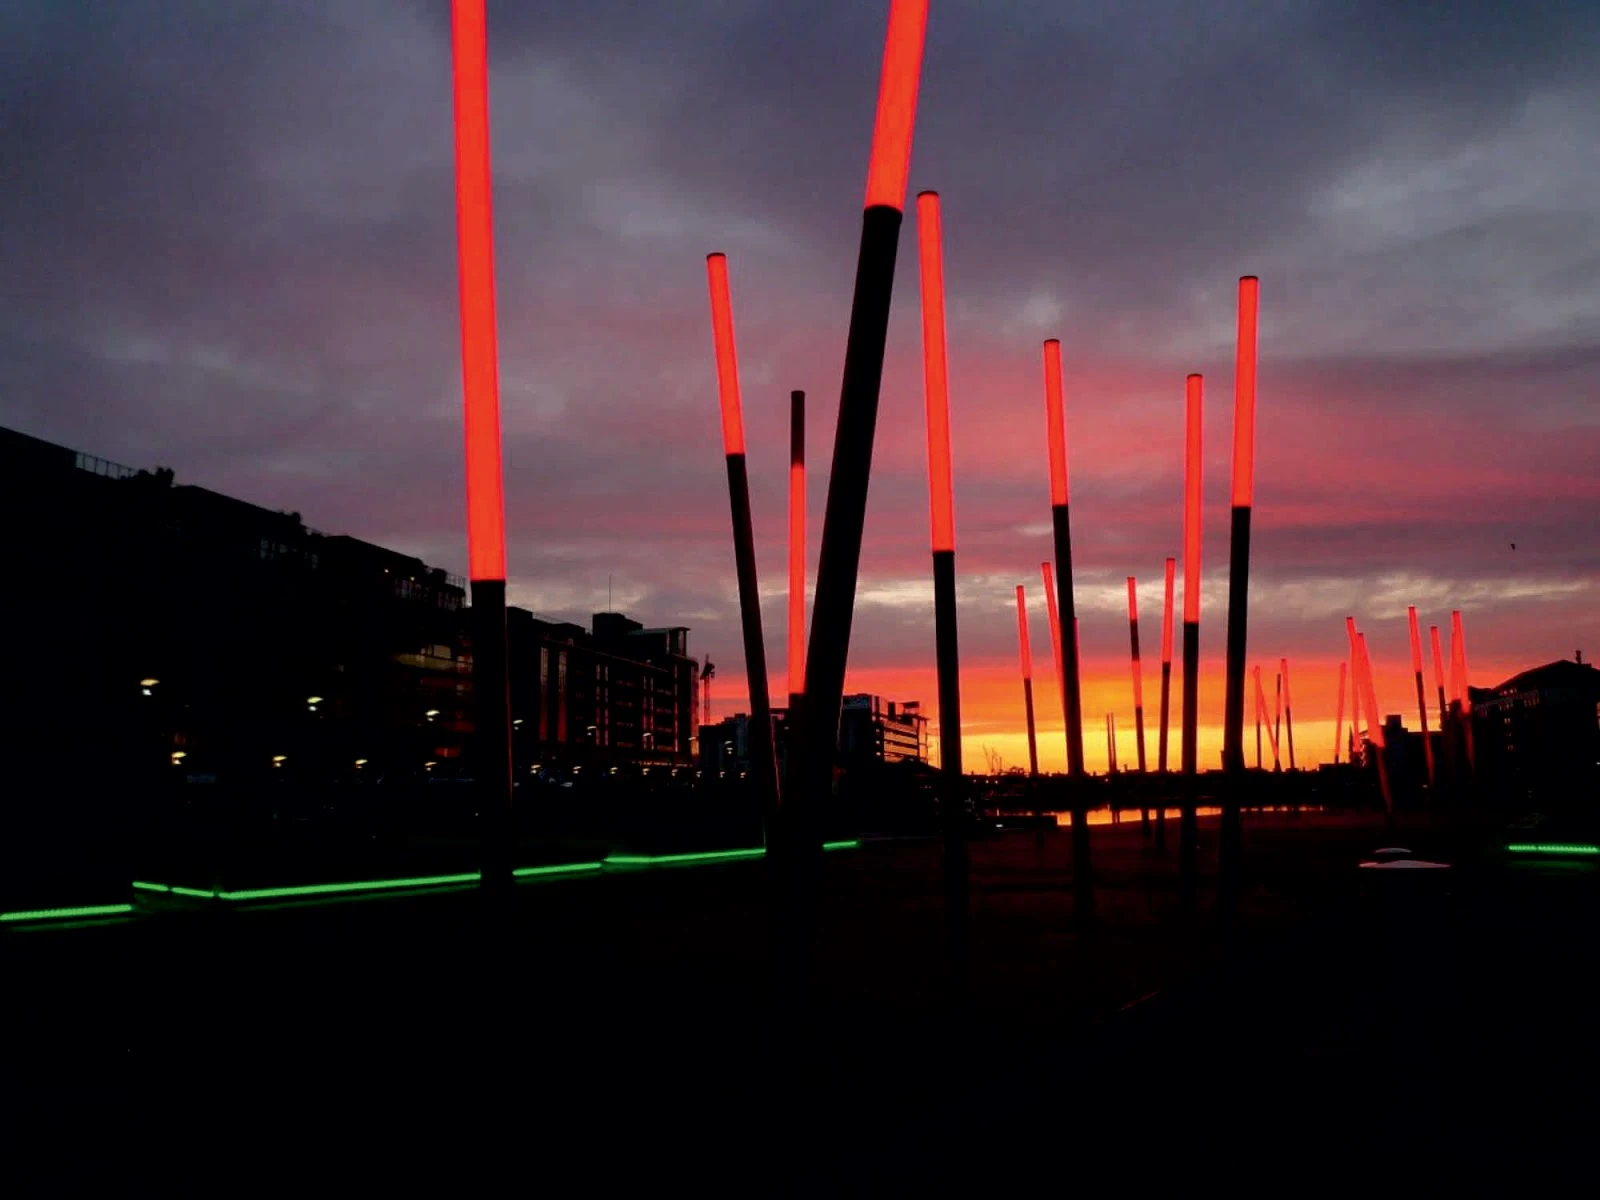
column 1355, row 702
column 1243, row 499
column 1422, row 701
column 1255, row 674
column 486, row 535
column 1438, row 683
column 1458, row 648
column 1188, row 828
column 1166, row 694
column 1138, row 700
column 1277, row 719
column 797, row 550
column 941, row 502
column 1025, row 654
column 1288, row 709
column 1056, row 429
column 1111, row 744
column 1048, row 575
column 1369, row 700
column 763, row 762
column 1338, row 716
column 839, row 558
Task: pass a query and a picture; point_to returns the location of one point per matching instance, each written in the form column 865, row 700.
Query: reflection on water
column 1104, row 816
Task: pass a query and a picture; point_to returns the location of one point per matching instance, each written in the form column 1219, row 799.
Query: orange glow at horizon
column 1024, row 649
column 890, row 164
column 941, row 498
column 797, row 548
column 1458, row 646
column 1438, row 665
column 1055, row 422
column 1166, row 611
column 1338, row 715
column 480, row 372
column 1191, row 500
column 1244, row 395
column 727, row 355
column 1261, row 714
column 1368, row 688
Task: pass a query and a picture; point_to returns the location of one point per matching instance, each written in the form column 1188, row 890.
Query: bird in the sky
column 1513, row 545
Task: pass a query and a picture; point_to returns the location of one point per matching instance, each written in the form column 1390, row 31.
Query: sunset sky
column 227, row 246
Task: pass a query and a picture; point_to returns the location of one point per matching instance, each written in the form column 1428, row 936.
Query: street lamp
column 431, row 713
column 279, row 759
column 312, row 702
column 145, row 686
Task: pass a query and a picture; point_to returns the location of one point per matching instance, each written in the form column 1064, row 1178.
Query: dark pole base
column 1161, row 754
column 1144, row 796
column 1082, row 871
column 953, row 806
column 763, row 760
column 491, row 742
column 1231, row 836
column 1188, row 828
column 839, row 560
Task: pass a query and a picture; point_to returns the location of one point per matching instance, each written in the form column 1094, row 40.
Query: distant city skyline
column 231, row 252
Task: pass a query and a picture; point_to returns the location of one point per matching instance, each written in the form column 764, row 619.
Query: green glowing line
column 174, row 889
column 372, row 885
column 853, row 844
column 1551, row 848
column 558, row 869
column 65, row 914
column 656, row 860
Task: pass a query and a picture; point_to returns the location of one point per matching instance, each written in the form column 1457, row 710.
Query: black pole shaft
column 1161, row 749
column 953, row 801
column 1445, row 738
column 1188, row 829
column 1033, row 741
column 797, row 458
column 833, row 604
column 1288, row 729
column 763, row 762
column 1082, row 880
column 1231, row 836
column 492, row 732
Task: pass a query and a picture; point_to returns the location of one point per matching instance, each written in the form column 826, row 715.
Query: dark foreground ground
column 616, row 1032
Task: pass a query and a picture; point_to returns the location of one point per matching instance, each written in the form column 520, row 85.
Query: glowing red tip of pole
column 1438, row 664
column 1133, row 619
column 1055, row 630
column 897, row 103
column 1244, row 395
column 1055, row 421
column 486, row 533
column 727, row 356
column 1416, row 639
column 1024, row 650
column 1458, row 643
column 1369, row 691
column 1166, row 612
column 935, row 375
column 1193, row 387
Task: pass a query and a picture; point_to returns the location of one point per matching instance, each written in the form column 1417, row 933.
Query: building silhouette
column 1538, row 732
column 872, row 730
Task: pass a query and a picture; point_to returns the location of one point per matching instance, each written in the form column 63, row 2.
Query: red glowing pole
column 1166, row 694
column 1458, row 645
column 1261, row 710
column 1422, row 702
column 1438, row 683
column 1188, row 829
column 1369, row 698
column 839, row 558
column 1338, row 715
column 1255, row 674
column 1056, row 428
column 797, row 549
column 1111, row 733
column 486, row 535
column 1025, row 653
column 1277, row 719
column 1138, row 700
column 1288, row 709
column 1243, row 500
column 941, row 497
column 1055, row 631
column 763, row 763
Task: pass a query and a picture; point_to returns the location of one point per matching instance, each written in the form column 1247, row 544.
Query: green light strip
column 329, row 889
column 558, row 869
column 1551, row 848
column 854, row 844
column 656, row 860
column 66, row 914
